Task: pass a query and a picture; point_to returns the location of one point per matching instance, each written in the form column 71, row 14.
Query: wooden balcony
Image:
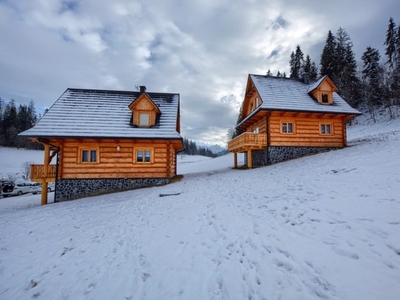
column 248, row 141
column 41, row 174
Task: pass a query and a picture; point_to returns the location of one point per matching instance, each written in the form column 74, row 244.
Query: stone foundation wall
column 70, row 189
column 274, row 154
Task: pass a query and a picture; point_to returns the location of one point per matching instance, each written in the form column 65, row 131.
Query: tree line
column 192, row 149
column 376, row 83
column 15, row 119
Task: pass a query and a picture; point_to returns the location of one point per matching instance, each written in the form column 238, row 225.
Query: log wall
column 306, row 130
column 114, row 163
column 261, row 125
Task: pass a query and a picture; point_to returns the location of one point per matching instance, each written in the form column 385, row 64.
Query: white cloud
column 203, row 50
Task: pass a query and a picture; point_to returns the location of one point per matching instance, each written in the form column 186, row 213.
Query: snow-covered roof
column 105, row 114
column 316, row 84
column 287, row 94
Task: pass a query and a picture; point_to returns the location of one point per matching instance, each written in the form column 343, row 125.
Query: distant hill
column 214, row 148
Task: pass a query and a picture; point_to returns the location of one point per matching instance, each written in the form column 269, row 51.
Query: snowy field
column 321, row 227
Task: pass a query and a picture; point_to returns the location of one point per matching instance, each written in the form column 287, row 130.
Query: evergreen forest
column 374, row 83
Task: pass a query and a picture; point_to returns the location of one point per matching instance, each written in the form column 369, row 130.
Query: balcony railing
column 39, row 174
column 247, row 141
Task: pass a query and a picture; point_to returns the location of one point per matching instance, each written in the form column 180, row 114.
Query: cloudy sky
column 202, row 49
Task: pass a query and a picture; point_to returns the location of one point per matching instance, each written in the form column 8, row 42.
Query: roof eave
column 295, row 110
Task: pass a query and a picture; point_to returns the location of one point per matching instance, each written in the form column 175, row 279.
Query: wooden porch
column 43, row 173
column 246, row 142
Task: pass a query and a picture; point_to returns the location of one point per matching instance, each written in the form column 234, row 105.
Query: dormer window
column 325, row 97
column 323, row 91
column 144, row 110
column 144, row 119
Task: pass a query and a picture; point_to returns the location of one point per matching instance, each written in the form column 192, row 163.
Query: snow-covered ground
column 324, row 226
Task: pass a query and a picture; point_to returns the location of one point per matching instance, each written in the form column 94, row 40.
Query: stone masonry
column 274, row 154
column 70, row 189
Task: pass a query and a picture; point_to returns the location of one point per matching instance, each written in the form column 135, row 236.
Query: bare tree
column 231, row 133
column 26, row 170
column 12, row 177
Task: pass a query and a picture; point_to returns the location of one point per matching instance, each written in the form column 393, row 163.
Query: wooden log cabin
column 283, row 118
column 105, row 141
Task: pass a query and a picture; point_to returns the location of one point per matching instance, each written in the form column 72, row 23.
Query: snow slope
column 321, row 227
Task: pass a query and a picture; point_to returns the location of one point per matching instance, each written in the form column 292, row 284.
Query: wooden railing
column 39, row 174
column 247, row 141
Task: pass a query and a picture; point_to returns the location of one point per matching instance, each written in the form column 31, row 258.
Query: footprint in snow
column 345, row 253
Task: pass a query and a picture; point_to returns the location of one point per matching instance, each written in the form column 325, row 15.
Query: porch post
column 235, row 160
column 45, row 171
column 249, row 160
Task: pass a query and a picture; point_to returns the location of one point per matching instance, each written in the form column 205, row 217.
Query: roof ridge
column 118, row 91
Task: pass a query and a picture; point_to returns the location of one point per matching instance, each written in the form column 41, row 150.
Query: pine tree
column 391, row 84
column 397, row 52
column 10, row 124
column 342, row 43
column 13, row 120
column 371, row 75
column 338, row 62
column 307, row 65
column 2, row 105
column 328, row 58
column 313, row 71
column 390, row 42
column 396, row 70
column 296, row 63
column 292, row 65
column 32, row 113
column 346, row 73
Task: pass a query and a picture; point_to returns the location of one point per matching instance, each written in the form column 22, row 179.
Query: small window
column 325, row 129
column 143, row 156
column 144, row 119
column 89, row 156
column 325, row 98
column 257, row 130
column 287, row 127
column 147, row 155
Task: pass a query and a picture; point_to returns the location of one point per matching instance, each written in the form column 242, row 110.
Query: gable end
column 145, row 112
column 323, row 92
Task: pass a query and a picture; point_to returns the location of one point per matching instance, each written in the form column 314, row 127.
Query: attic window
column 144, row 119
column 144, row 111
column 325, row 98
